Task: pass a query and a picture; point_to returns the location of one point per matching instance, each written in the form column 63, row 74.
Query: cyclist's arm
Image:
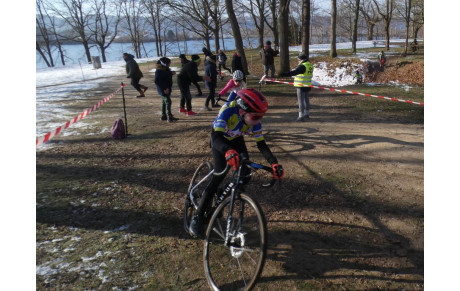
column 266, row 152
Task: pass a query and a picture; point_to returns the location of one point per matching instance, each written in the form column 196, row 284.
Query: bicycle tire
column 200, row 173
column 229, row 267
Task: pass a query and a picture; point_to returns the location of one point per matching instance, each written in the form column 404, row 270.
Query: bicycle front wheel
column 238, row 265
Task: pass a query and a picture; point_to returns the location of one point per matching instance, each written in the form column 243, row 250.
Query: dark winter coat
column 222, row 58
column 268, row 56
column 163, row 79
column 188, row 74
column 237, row 64
column 132, row 68
column 210, row 69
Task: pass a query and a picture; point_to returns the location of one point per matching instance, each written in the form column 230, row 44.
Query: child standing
column 163, row 81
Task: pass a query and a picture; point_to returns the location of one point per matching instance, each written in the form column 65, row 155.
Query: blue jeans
column 271, row 68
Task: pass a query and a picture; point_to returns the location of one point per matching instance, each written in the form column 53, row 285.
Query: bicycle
column 236, row 234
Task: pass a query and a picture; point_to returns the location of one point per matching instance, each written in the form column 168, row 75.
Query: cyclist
column 235, row 119
column 358, row 77
column 237, row 82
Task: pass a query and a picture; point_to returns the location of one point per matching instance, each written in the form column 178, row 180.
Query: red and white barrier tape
column 343, row 91
column 41, row 140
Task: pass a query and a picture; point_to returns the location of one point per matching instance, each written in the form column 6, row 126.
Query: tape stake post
column 41, row 140
column 348, row 92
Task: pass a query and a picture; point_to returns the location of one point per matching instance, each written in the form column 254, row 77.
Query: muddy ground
column 349, row 214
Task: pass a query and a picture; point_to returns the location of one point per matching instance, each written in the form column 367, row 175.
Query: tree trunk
column 236, row 34
column 284, row 36
column 333, row 53
column 306, row 27
column 355, row 28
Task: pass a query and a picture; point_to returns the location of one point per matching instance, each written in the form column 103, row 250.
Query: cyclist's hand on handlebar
column 278, row 171
column 233, row 158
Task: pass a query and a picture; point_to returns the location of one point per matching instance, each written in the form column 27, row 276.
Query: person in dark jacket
column 237, row 63
column 183, row 61
column 268, row 58
column 163, row 81
column 133, row 72
column 222, row 59
column 189, row 74
column 210, row 69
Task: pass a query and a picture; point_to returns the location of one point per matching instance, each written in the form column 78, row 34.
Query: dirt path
column 348, row 216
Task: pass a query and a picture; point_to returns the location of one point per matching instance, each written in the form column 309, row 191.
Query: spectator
column 222, row 58
column 303, row 74
column 163, row 81
column 189, row 74
column 237, row 63
column 134, row 73
column 268, row 59
column 183, row 61
column 210, row 70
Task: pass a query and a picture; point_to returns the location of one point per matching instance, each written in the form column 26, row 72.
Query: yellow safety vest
column 304, row 79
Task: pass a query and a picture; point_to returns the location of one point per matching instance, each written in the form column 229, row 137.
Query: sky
column 18, row 148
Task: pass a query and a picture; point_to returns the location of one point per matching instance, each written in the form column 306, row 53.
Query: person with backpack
column 222, row 58
column 187, row 75
column 134, row 73
column 236, row 119
column 183, row 61
column 303, row 74
column 163, row 81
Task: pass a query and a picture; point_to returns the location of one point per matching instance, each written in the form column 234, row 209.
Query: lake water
column 75, row 53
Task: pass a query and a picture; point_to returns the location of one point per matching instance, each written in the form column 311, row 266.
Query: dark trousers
column 166, row 105
column 220, row 163
column 212, row 92
column 185, row 97
column 223, row 66
column 135, row 83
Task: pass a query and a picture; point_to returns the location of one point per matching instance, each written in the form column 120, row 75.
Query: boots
column 143, row 88
column 141, row 94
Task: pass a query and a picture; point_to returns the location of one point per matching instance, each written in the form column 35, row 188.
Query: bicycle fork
column 228, row 233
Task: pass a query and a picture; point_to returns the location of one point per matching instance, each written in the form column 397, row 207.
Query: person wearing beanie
column 268, row 58
column 163, row 81
column 187, row 75
column 222, row 58
column 303, row 74
column 183, row 61
column 210, row 70
column 134, row 73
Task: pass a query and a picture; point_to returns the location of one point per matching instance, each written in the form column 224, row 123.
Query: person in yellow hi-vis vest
column 303, row 74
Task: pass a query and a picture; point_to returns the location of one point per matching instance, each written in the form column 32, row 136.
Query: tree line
column 285, row 22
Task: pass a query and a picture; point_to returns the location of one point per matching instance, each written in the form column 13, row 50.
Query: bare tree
column 404, row 10
column 236, row 33
column 417, row 17
column 132, row 12
column 105, row 27
column 155, row 10
column 355, row 27
column 75, row 13
column 306, row 27
column 371, row 17
column 257, row 10
column 43, row 34
column 284, row 37
column 386, row 14
column 333, row 52
column 273, row 24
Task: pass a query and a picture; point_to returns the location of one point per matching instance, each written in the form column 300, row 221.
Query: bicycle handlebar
column 252, row 165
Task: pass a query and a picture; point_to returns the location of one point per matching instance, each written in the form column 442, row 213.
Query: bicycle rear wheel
column 198, row 176
column 239, row 265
